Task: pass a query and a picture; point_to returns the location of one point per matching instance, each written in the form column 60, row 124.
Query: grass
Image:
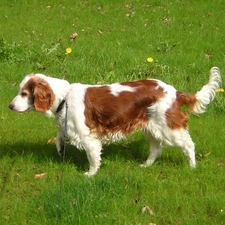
column 184, row 38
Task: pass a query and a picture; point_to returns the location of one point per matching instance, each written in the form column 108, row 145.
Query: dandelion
column 68, row 51
column 150, row 59
column 221, row 90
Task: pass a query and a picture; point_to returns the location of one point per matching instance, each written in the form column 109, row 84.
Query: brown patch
column 106, row 113
column 175, row 117
column 41, row 93
column 186, row 99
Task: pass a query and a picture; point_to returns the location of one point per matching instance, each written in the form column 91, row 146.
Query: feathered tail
column 207, row 93
column 197, row 102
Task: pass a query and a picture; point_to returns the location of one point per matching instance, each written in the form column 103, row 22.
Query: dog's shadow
column 39, row 152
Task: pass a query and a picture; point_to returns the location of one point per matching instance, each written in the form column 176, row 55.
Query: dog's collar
column 60, row 106
column 64, row 101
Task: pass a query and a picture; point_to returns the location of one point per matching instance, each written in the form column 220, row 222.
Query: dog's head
column 35, row 93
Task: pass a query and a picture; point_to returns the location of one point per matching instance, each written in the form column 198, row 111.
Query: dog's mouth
column 12, row 107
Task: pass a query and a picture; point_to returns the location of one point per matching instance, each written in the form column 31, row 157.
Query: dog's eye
column 24, row 94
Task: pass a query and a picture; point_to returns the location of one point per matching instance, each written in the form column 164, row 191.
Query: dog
column 98, row 114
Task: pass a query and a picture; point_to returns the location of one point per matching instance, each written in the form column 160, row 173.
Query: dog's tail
column 197, row 103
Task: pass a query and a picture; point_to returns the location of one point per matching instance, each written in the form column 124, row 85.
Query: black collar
column 60, row 106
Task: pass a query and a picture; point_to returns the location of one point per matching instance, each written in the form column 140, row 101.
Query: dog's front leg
column 93, row 149
column 60, row 143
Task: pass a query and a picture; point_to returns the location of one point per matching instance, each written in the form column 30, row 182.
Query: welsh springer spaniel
column 98, row 114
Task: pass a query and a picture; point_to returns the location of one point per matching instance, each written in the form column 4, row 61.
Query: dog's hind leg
column 182, row 139
column 155, row 151
column 188, row 148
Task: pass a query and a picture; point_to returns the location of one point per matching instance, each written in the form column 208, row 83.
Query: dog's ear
column 43, row 95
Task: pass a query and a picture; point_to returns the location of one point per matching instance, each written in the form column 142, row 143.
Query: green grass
column 185, row 39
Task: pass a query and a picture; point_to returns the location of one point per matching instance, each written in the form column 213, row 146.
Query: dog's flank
column 110, row 113
column 99, row 114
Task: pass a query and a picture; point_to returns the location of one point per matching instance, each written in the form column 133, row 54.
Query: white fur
column 117, row 88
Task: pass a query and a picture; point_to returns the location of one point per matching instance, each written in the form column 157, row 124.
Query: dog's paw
column 143, row 165
column 61, row 153
column 88, row 174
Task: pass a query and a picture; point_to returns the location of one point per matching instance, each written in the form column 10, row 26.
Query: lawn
column 110, row 42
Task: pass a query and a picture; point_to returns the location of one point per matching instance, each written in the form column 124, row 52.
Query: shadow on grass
column 132, row 151
column 42, row 152
column 135, row 151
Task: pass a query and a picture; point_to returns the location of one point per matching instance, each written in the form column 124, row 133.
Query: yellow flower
column 68, row 51
column 150, row 59
column 220, row 90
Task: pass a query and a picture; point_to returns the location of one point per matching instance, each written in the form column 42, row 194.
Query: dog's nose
column 11, row 106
